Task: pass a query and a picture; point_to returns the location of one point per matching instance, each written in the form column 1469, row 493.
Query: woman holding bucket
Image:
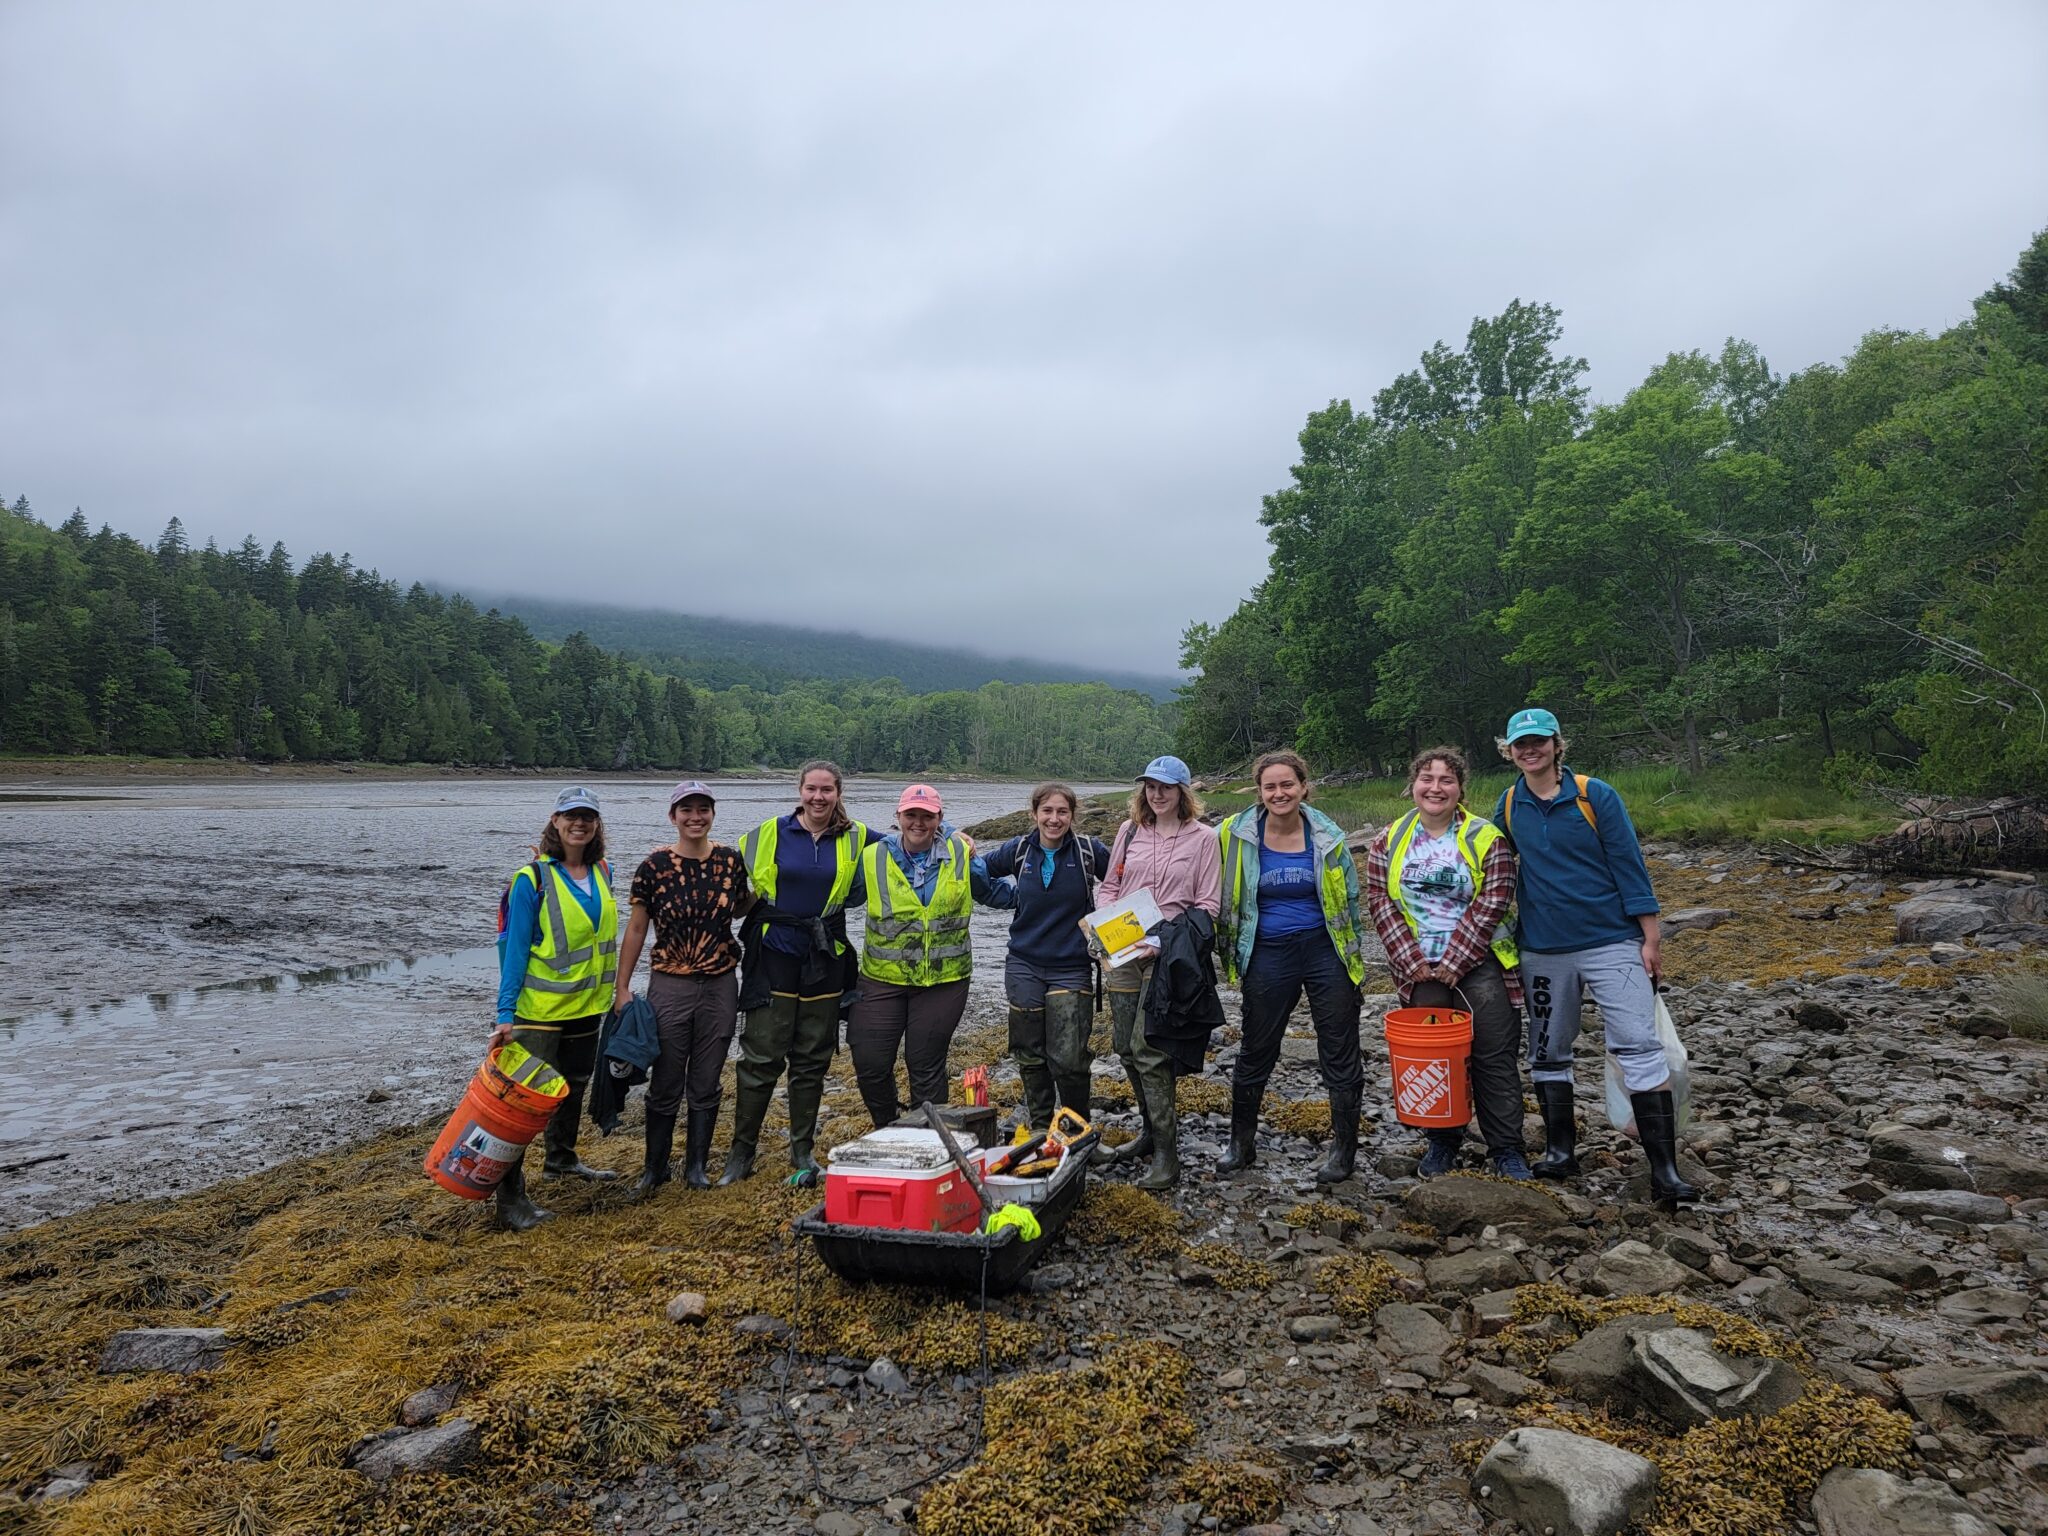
column 1438, row 885
column 558, row 942
column 1164, row 848
column 691, row 893
column 1290, row 923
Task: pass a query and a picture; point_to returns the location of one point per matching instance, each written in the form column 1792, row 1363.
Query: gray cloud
column 630, row 300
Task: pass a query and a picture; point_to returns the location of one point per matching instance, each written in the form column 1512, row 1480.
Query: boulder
column 1824, row 1017
column 1906, row 1158
column 886, row 1376
column 1939, row 916
column 428, row 1404
column 1825, row 1282
column 1596, row 1369
column 1548, row 1481
column 1476, row 1270
column 1406, row 1330
column 1979, row 1397
column 1903, row 1268
column 1983, row 1305
column 1679, row 1375
column 421, row 1450
column 1856, row 1501
column 688, row 1307
column 1964, row 1205
column 1497, row 1384
column 1314, row 1328
column 1460, row 1206
column 1632, row 1268
column 183, row 1350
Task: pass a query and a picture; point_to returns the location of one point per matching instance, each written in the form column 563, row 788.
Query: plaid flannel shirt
column 1472, row 940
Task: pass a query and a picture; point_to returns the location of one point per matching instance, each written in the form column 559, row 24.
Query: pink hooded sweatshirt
column 1182, row 871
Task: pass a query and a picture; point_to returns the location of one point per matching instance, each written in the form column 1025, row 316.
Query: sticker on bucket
column 480, row 1159
column 1422, row 1088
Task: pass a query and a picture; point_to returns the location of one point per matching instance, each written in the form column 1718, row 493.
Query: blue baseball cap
column 1531, row 722
column 576, row 799
column 1167, row 770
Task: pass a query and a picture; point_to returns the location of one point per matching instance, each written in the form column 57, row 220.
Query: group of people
column 1529, row 910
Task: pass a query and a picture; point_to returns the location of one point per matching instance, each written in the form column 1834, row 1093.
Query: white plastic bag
column 1621, row 1113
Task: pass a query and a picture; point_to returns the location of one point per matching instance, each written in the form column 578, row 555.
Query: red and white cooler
column 901, row 1179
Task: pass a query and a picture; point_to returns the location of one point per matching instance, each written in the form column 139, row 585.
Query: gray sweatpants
column 1555, row 986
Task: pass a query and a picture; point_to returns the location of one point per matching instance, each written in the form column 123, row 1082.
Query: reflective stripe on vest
column 1330, row 889
column 565, row 980
column 757, row 848
column 910, row 942
column 1474, row 837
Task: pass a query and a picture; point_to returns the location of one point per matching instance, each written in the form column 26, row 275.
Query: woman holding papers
column 1164, row 851
column 1290, row 923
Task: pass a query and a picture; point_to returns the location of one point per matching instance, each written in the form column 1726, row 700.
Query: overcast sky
column 866, row 315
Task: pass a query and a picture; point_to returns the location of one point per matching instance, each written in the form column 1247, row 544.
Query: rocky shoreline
column 1862, row 1290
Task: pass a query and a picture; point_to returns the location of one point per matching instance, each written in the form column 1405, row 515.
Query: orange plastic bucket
column 1431, row 1049
column 508, row 1104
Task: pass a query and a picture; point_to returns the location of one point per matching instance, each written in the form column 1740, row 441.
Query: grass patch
column 1729, row 804
column 2021, row 999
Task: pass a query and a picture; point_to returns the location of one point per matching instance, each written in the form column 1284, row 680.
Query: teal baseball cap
column 1167, row 770
column 1531, row 722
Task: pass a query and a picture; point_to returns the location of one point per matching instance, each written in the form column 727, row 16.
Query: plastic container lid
column 899, row 1147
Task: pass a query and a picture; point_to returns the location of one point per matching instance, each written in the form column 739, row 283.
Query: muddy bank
column 205, row 978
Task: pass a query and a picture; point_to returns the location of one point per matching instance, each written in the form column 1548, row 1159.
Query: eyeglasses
column 580, row 818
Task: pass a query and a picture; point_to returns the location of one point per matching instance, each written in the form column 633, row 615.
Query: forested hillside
column 1848, row 565
column 724, row 653
column 109, row 645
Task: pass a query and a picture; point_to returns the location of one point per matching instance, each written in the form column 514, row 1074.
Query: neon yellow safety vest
column 1339, row 908
column 757, row 848
column 574, row 962
column 909, row 942
column 1475, row 837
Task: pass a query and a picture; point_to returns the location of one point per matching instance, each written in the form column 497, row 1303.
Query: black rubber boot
column 749, row 1109
column 1343, row 1142
column 1560, row 1159
column 516, row 1209
column 661, row 1141
column 1244, row 1132
column 697, row 1147
column 1657, row 1124
column 1142, row 1146
column 1158, row 1089
column 561, row 1161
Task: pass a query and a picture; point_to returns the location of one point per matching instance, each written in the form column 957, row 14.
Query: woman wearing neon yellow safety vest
column 1438, row 884
column 922, row 882
column 796, row 962
column 557, row 960
column 1289, row 924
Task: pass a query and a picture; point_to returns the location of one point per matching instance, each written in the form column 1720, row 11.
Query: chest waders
column 790, row 1030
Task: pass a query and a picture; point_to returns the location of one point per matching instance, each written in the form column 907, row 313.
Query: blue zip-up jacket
column 1047, row 928
column 1577, row 888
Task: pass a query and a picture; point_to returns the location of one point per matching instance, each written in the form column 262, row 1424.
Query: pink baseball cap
column 921, row 797
column 690, row 789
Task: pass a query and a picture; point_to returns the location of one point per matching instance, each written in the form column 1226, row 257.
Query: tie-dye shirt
column 1438, row 887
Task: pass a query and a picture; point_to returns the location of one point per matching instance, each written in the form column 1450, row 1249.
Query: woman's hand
column 1653, row 955
column 499, row 1036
